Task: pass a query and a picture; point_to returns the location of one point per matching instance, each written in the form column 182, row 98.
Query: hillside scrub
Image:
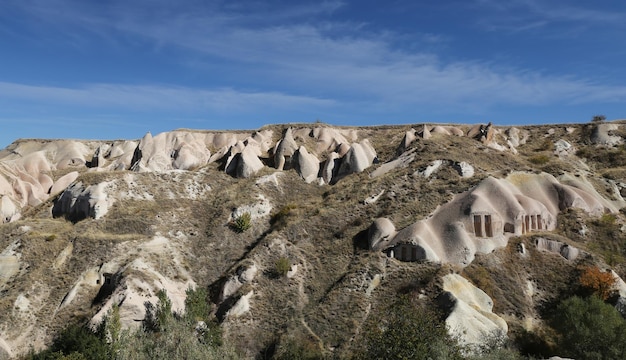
column 590, row 329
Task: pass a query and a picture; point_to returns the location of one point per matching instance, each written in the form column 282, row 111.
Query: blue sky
column 110, row 69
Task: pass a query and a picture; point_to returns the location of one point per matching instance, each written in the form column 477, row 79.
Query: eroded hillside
column 491, row 225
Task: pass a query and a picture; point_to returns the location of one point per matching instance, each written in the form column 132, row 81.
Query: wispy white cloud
column 523, row 15
column 152, row 98
column 291, row 56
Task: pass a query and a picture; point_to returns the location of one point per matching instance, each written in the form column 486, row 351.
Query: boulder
column 380, row 233
column 244, row 164
column 602, row 134
column 78, row 202
column 307, row 165
column 358, row 158
column 285, row 148
column 63, row 182
column 470, row 318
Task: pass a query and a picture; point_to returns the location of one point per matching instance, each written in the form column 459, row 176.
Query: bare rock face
column 244, row 164
column 380, row 233
column 470, row 318
column 482, row 219
column 567, row 251
column 78, row 202
column 285, row 149
column 358, row 158
column 8, row 211
column 602, row 134
column 63, row 182
column 307, row 165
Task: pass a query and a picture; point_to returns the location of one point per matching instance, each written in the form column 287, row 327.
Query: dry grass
column 319, row 229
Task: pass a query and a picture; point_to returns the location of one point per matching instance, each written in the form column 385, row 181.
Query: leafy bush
column 405, row 331
column 158, row 316
column 198, row 309
column 597, row 281
column 598, row 118
column 241, row 223
column 590, row 329
column 76, row 342
column 283, row 265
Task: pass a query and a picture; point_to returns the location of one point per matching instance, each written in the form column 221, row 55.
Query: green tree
column 590, row 329
column 76, row 342
column 406, row 331
column 160, row 315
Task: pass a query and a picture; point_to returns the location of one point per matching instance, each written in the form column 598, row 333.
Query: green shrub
column 283, row 265
column 598, row 118
column 406, row 331
column 241, row 223
column 590, row 329
column 76, row 342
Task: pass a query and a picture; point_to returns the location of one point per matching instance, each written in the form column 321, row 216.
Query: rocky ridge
column 119, row 220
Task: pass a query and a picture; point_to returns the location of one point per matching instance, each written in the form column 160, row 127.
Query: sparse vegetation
column 283, row 265
column 541, row 159
column 241, row 223
column 328, row 309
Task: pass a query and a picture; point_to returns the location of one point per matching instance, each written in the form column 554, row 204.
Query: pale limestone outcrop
column 328, row 138
column 63, row 182
column 470, row 318
column 401, row 161
column 563, row 148
column 358, row 158
column 136, row 280
column 257, row 210
column 464, row 169
column 483, row 218
column 242, row 306
column 603, row 134
column 9, row 262
column 408, row 138
column 78, row 202
column 307, row 165
column 243, row 164
column 516, row 137
column 243, row 275
column 284, row 150
column 380, row 233
column 329, row 167
column 8, row 211
column 567, row 251
column 169, row 150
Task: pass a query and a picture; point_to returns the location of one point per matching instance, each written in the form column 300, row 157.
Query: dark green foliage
column 76, row 342
column 198, row 311
column 407, row 331
column 590, row 329
column 598, row 118
column 158, row 316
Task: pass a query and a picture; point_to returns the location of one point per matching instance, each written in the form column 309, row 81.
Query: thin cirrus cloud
column 157, row 97
column 524, row 15
column 298, row 62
